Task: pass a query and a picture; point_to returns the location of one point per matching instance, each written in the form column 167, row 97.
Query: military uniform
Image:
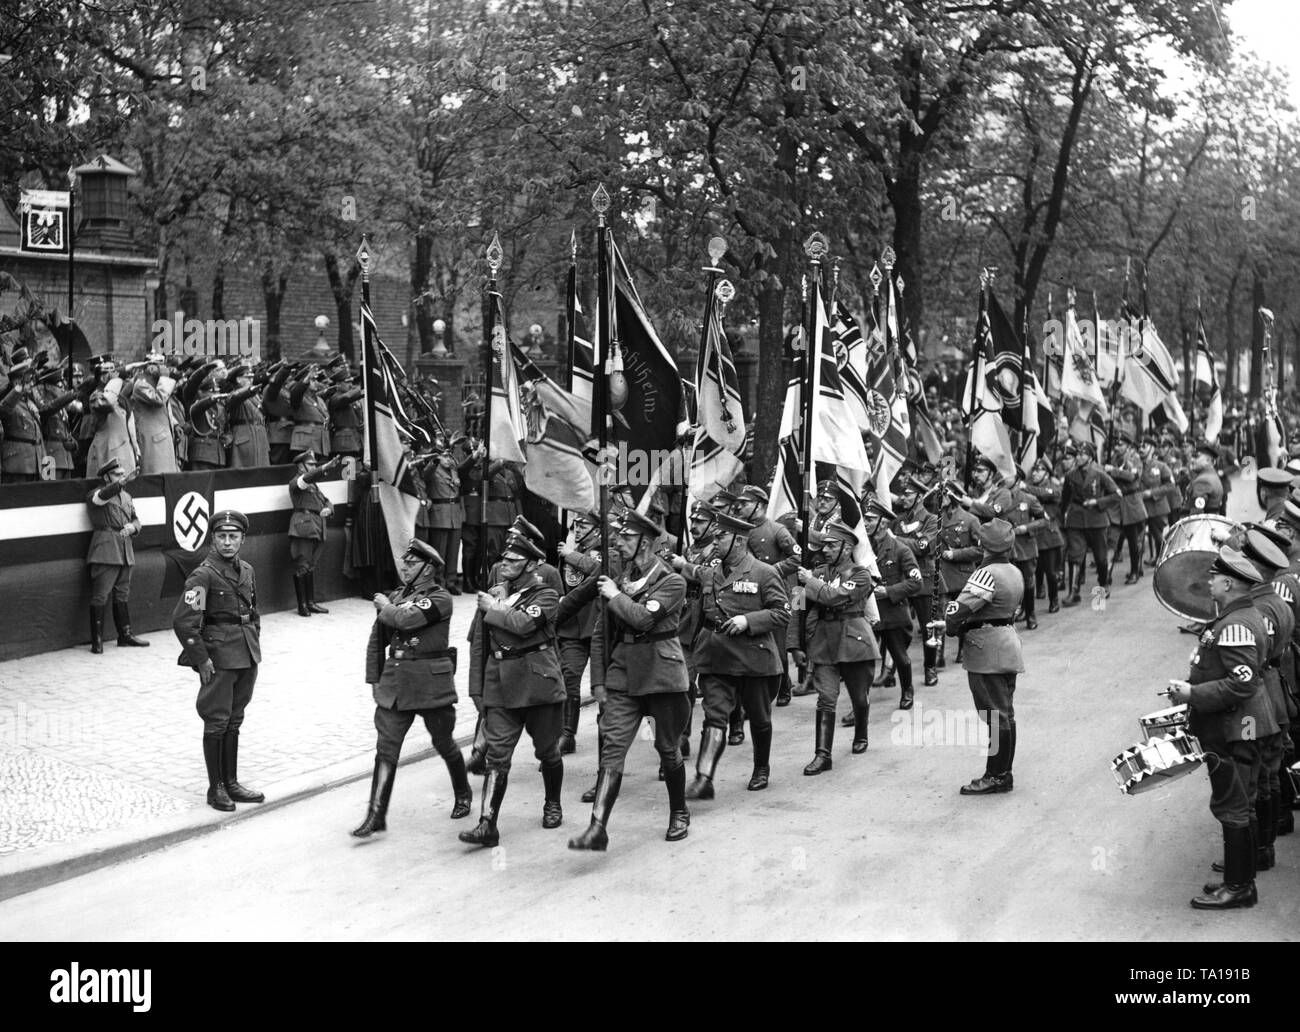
column 411, row 672
column 216, row 620
column 744, row 667
column 841, row 645
column 1049, row 539
column 519, row 685
column 1229, row 712
column 445, row 516
column 982, row 614
column 60, row 444
column 900, row 581
column 151, row 407
column 1128, row 477
column 22, row 446
column 1026, row 517
column 574, row 627
column 310, row 420
column 279, row 418
column 250, row 446
column 1085, row 525
column 111, row 558
column 957, row 553
column 345, row 429
column 1205, row 493
column 307, row 533
column 1160, row 496
column 918, row 530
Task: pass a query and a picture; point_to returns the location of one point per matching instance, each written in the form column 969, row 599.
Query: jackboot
column 712, row 743
column 1266, row 830
column 679, row 818
column 861, row 714
column 217, row 797
column 1218, row 867
column 300, row 591
column 737, row 727
column 122, row 620
column 310, row 591
column 824, row 739
column 230, row 771
column 589, row 796
column 494, row 791
column 595, row 837
column 1238, row 886
column 97, row 630
column 762, row 759
column 783, row 692
column 381, row 787
column 1074, row 598
column 459, row 785
column 552, row 781
column 997, row 768
column 803, row 681
column 906, row 699
column 478, row 750
column 569, row 733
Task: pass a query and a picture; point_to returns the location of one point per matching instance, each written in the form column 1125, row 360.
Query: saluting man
column 111, row 556
column 643, row 676
column 1228, row 711
column 520, row 683
column 841, row 646
column 745, row 613
column 219, row 628
column 411, row 672
column 983, row 614
column 307, row 526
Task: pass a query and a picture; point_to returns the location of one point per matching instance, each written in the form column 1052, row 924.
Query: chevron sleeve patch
column 981, row 584
column 1236, row 634
column 1284, row 593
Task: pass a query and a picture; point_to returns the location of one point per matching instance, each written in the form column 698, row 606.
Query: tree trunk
column 342, row 289
column 273, row 290
column 421, row 265
column 771, row 380
column 1230, row 334
column 1259, row 275
column 219, row 291
column 905, row 198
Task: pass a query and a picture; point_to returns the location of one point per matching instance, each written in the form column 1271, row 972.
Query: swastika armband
column 534, row 611
column 951, row 608
column 197, row 598
column 1199, row 503
column 914, row 574
column 1243, row 673
column 424, row 603
column 653, row 606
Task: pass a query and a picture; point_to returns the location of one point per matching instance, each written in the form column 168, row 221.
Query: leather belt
column 397, row 653
column 714, row 625
column 21, row 440
column 442, row 501
column 527, row 650
column 641, row 639
column 500, row 498
column 976, row 624
column 835, row 616
column 229, row 618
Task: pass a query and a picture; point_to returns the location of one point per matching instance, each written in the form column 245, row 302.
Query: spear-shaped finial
column 600, row 203
column 724, row 292
column 876, row 278
column 495, row 255
column 363, row 259
column 573, row 245
column 887, row 259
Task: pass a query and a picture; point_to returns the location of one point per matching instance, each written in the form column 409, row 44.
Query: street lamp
column 152, row 281
column 439, row 345
column 321, row 351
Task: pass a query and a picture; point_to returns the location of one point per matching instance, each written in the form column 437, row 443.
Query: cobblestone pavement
column 90, row 744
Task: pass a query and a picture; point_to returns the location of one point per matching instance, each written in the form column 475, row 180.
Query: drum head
column 1189, row 549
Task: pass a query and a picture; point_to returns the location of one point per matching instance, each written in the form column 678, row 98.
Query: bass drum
column 1190, row 547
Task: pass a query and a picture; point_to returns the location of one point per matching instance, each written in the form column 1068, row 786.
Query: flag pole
column 815, row 248
column 570, row 314
column 368, row 356
column 717, row 247
column 491, row 353
column 986, row 277
column 600, row 204
column 72, row 256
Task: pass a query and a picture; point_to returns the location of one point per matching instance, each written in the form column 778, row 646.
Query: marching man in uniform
column 411, row 673
column 1228, row 710
column 982, row 614
column 519, row 682
column 841, row 646
column 111, row 556
column 220, row 629
column 645, row 675
column 742, row 648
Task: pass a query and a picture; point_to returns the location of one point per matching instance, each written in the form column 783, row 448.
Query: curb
column 119, row 845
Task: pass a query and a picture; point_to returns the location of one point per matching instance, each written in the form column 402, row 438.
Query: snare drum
column 1184, row 563
column 1163, row 721
column 1156, row 762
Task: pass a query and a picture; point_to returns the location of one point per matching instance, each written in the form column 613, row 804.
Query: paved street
column 881, row 847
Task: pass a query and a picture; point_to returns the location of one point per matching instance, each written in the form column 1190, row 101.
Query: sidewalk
column 101, row 757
